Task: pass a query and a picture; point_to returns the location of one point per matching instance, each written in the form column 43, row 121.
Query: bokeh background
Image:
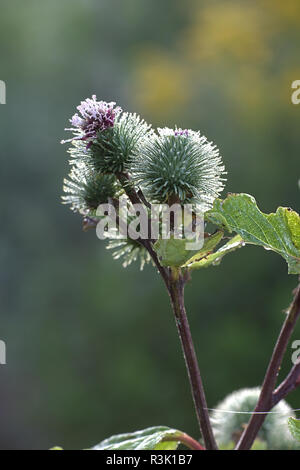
column 92, row 348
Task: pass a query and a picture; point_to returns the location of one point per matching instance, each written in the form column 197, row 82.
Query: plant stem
column 138, row 198
column 289, row 384
column 176, row 291
column 187, row 440
column 265, row 401
column 175, row 288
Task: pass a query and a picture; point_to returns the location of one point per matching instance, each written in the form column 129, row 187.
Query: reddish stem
column 266, row 400
column 187, row 440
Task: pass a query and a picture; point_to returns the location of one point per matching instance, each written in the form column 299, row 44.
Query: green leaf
column 279, row 232
column 154, row 438
column 208, row 246
column 173, row 252
column 294, row 427
column 214, row 259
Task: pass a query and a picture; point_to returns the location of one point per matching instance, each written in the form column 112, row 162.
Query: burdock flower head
column 115, row 153
column 95, row 116
column 85, row 189
column 179, row 165
column 104, row 137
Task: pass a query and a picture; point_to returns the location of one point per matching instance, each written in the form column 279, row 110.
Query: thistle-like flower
column 104, row 137
column 171, row 166
column 96, row 116
column 86, row 190
column 114, row 148
column 179, row 166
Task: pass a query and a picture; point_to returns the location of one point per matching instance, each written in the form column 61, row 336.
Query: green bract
column 129, row 251
column 178, row 166
column 113, row 148
column 86, row 189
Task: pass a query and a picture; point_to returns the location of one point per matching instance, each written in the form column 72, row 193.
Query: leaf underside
column 154, row 438
column 215, row 258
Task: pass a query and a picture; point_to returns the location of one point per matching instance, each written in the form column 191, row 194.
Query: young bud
column 86, row 190
column 129, row 251
column 178, row 166
column 230, row 418
column 113, row 148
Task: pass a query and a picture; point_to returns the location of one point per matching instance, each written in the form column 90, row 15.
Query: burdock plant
column 115, row 157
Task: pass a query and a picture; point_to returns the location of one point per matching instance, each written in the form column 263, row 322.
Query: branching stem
column 267, row 398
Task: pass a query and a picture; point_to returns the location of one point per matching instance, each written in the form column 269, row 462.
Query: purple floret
column 94, row 116
column 183, row 132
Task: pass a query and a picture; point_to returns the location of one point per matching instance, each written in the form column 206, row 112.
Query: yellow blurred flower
column 238, row 50
column 161, row 83
column 284, row 11
column 225, row 30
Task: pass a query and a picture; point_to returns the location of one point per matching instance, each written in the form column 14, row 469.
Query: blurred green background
column 92, row 348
